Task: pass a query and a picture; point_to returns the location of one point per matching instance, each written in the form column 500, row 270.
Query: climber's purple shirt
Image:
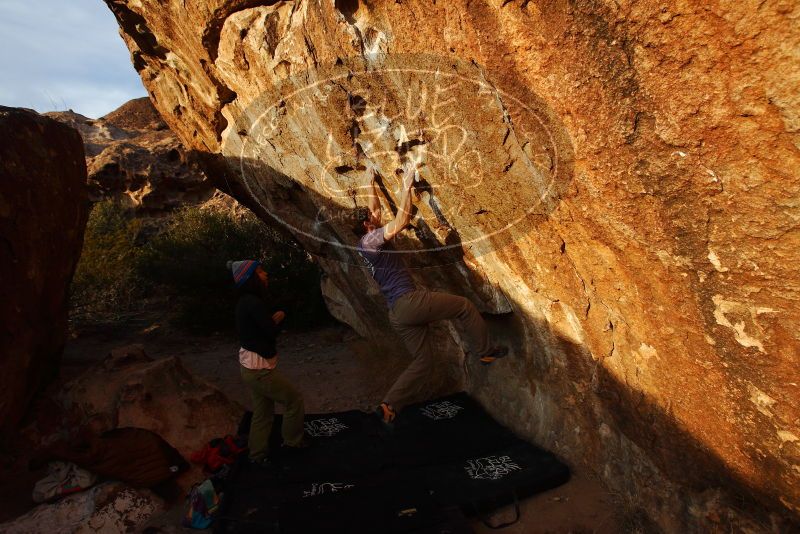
column 386, row 266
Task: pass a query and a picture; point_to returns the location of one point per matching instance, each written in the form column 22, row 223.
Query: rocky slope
column 43, row 212
column 616, row 182
column 107, row 507
column 130, row 389
column 115, row 388
column 134, row 158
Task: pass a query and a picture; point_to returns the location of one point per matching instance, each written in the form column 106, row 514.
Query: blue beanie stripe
column 243, row 270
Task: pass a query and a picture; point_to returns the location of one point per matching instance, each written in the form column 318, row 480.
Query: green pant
column 410, row 317
column 266, row 387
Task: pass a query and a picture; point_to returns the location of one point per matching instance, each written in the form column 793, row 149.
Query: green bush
column 185, row 263
column 105, row 281
column 189, row 260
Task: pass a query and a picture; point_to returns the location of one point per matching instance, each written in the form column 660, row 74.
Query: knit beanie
column 242, row 270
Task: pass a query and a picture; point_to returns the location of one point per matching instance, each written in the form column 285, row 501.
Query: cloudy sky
column 64, row 54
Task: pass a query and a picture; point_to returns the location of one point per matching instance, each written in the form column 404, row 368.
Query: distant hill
column 134, row 158
column 137, row 114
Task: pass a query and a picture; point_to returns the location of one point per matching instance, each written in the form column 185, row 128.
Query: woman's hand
column 278, row 316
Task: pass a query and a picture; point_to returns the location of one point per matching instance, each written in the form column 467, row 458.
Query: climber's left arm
column 374, row 203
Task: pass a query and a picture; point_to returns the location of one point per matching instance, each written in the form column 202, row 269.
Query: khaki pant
column 268, row 386
column 410, row 316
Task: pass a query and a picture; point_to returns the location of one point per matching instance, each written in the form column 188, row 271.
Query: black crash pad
column 345, row 445
column 521, row 469
column 390, row 502
column 442, row 430
column 440, row 457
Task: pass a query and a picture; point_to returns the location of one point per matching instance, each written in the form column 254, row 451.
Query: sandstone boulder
column 615, row 181
column 129, row 389
column 43, row 212
column 134, row 158
column 108, row 507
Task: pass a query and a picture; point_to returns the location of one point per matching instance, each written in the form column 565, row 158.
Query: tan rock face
column 616, row 182
column 129, row 389
column 107, row 507
column 43, row 212
column 134, row 158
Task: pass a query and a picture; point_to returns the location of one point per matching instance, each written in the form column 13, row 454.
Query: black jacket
column 257, row 331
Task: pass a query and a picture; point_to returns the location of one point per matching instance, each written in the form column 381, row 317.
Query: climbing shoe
column 303, row 444
column 268, row 466
column 495, row 354
column 263, row 462
column 385, row 413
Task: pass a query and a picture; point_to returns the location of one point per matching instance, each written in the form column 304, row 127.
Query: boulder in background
column 134, row 158
column 43, row 212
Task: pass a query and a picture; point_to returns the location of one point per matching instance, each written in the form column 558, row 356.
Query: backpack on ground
column 202, row 505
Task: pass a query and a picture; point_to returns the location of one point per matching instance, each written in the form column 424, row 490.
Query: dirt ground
column 336, row 371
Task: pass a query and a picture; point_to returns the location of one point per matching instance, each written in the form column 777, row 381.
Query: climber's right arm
column 403, row 216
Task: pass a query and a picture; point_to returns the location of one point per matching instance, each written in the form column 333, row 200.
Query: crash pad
column 439, row 459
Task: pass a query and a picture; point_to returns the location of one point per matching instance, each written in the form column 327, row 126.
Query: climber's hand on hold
column 372, row 173
column 409, row 176
column 278, row 317
column 404, row 207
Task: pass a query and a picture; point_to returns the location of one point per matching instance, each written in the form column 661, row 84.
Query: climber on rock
column 412, row 308
column 257, row 327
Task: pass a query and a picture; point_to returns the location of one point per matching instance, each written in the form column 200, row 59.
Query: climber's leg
column 423, row 307
column 408, row 384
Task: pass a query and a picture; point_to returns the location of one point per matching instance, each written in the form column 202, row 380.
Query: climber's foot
column 262, row 462
column 495, row 354
column 304, row 443
column 386, row 414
